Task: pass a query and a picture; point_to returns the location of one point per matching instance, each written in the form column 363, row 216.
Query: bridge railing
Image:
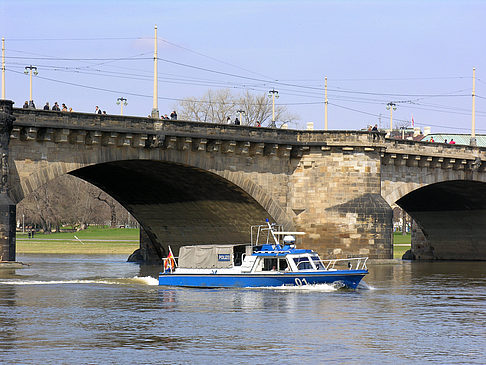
column 181, row 128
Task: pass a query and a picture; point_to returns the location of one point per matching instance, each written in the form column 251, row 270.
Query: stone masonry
column 196, row 183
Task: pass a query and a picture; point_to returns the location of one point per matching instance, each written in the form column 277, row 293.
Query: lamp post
column 28, row 71
column 273, row 94
column 241, row 113
column 121, row 101
column 155, row 107
column 325, row 103
column 3, row 68
column 391, row 106
column 473, row 142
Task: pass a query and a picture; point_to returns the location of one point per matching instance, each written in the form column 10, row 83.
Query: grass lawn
column 401, row 243
column 94, row 240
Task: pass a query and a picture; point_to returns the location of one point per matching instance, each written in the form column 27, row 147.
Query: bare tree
column 217, row 106
column 68, row 200
column 213, row 107
column 110, row 202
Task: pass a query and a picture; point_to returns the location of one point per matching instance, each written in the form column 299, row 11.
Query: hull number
column 300, row 282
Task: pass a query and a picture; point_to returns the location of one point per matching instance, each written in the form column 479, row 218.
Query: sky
column 419, row 55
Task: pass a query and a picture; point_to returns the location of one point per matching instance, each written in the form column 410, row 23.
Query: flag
column 169, row 262
column 412, row 122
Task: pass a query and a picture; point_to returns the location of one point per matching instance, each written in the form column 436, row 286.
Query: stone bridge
column 198, row 183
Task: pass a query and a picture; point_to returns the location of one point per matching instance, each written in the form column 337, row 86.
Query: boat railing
column 167, row 264
column 264, row 234
column 355, row 263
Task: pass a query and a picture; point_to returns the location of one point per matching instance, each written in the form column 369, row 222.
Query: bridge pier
column 7, row 207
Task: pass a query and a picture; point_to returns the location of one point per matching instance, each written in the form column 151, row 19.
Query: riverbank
column 121, row 241
column 94, row 240
column 401, row 244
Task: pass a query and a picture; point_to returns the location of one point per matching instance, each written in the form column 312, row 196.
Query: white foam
column 145, row 280
column 364, row 286
column 303, row 288
column 50, row 282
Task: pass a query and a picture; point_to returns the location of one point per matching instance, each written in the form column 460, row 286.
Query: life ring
column 169, row 263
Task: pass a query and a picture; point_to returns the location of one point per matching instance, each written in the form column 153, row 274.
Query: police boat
column 271, row 260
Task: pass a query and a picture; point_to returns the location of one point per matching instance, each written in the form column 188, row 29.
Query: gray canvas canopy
column 206, row 257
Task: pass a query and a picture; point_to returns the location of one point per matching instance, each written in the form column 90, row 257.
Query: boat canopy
column 206, row 256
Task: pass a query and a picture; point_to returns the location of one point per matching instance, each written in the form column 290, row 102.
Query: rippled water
column 101, row 310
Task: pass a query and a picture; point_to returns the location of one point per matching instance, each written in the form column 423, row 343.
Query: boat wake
column 325, row 288
column 136, row 280
column 364, row 286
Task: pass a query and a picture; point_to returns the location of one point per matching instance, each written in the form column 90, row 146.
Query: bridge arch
column 451, row 215
column 392, row 191
column 201, row 204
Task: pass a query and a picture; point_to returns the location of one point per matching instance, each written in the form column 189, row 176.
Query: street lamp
column 28, row 71
column 121, row 101
column 391, row 106
column 273, row 94
column 241, row 112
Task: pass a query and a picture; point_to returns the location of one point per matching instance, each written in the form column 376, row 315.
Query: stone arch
column 237, row 182
column 56, row 169
column 450, row 216
column 84, row 157
column 394, row 191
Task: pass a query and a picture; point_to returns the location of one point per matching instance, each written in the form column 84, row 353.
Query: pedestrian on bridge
column 46, row 107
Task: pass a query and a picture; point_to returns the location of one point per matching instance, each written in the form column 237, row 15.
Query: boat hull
column 344, row 278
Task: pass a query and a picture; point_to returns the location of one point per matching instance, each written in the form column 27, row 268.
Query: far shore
column 117, row 241
column 94, row 240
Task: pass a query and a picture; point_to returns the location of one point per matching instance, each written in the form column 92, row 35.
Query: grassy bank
column 401, row 243
column 123, row 241
column 94, row 240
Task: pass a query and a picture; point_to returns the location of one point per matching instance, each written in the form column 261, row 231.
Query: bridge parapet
column 137, row 132
column 435, row 155
column 180, row 128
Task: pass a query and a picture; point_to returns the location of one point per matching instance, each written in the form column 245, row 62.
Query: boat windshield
column 303, row 263
column 317, row 262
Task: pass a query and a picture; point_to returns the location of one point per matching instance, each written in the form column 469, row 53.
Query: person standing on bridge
column 374, row 130
column 56, row 107
column 173, row 115
column 97, row 110
column 26, row 105
column 64, row 107
column 237, row 121
column 46, row 107
column 452, row 141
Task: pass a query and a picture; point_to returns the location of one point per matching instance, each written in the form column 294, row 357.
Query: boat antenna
column 273, row 234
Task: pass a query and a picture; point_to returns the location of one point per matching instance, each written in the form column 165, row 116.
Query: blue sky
column 419, row 54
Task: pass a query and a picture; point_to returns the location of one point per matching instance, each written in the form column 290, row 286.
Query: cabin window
column 303, row 263
column 269, row 264
column 238, row 252
column 282, row 264
column 318, row 263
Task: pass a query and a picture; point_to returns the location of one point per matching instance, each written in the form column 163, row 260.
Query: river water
column 74, row 309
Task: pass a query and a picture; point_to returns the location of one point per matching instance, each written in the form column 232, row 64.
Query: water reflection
column 92, row 309
column 8, row 314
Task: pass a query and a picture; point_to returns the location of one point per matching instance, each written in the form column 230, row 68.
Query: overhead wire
column 304, row 91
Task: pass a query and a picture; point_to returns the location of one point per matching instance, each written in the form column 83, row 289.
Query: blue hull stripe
column 350, row 279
